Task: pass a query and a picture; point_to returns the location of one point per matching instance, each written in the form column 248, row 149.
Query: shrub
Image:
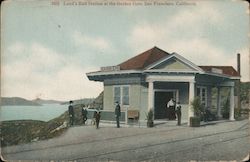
column 150, row 116
column 197, row 106
column 225, row 109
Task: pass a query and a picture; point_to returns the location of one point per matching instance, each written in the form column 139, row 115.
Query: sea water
column 43, row 113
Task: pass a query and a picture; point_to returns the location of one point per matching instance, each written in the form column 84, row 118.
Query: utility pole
column 238, row 84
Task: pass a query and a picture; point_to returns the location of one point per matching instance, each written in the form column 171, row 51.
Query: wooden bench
column 133, row 114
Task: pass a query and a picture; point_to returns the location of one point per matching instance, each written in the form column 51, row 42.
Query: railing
column 107, row 115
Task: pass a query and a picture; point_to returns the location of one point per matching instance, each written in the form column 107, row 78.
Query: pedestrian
column 178, row 113
column 171, row 109
column 84, row 115
column 117, row 114
column 71, row 113
column 97, row 118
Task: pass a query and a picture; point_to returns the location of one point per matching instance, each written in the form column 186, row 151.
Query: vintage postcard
column 125, row 80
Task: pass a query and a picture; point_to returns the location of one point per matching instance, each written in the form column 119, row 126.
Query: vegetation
column 225, row 109
column 244, row 95
column 25, row 131
column 150, row 117
column 197, row 107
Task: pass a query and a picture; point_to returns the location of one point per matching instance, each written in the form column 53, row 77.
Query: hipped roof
column 144, row 59
column 227, row 70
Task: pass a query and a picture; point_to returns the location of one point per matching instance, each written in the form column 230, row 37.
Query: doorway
column 161, row 100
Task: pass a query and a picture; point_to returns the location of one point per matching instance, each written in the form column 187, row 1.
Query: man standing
column 178, row 113
column 71, row 113
column 171, row 109
column 84, row 115
column 117, row 114
column 97, row 118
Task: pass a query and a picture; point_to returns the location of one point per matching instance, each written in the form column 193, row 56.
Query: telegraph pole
column 238, row 85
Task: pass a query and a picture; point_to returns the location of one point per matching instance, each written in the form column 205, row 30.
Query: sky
column 47, row 49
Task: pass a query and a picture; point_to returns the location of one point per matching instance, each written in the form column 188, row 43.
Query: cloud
column 184, row 25
column 185, row 33
column 46, row 73
column 98, row 42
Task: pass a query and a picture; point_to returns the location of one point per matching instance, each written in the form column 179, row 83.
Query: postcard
column 125, row 80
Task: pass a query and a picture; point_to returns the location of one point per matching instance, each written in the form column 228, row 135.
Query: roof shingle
column 154, row 54
column 144, row 59
column 227, row 70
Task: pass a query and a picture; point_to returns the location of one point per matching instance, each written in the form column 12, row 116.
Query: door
column 161, row 100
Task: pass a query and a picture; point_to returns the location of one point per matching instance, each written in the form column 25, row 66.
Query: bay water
column 45, row 112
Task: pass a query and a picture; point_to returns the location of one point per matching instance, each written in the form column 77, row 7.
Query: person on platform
column 97, row 118
column 178, row 113
column 71, row 113
column 117, row 114
column 171, row 109
column 84, row 115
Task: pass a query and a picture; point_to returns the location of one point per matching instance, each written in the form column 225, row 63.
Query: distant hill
column 85, row 101
column 17, row 101
column 42, row 101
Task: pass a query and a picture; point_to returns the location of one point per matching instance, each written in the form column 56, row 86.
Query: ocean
column 43, row 113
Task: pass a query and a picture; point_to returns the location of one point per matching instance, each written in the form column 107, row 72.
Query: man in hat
column 117, row 114
column 84, row 114
column 178, row 113
column 97, row 115
column 71, row 113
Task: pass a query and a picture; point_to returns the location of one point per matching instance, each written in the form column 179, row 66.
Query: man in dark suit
column 71, row 113
column 97, row 118
column 178, row 113
column 117, row 114
column 84, row 115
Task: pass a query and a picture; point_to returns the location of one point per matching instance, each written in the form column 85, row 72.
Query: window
column 125, row 95
column 117, row 94
column 121, row 94
column 202, row 93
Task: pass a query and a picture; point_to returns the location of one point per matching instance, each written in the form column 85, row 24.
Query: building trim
column 160, row 78
column 182, row 59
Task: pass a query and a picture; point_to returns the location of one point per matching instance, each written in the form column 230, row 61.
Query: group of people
column 96, row 116
column 173, row 110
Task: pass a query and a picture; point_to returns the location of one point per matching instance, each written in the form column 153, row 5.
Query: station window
column 121, row 94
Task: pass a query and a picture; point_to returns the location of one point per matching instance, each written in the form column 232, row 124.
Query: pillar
column 191, row 98
column 219, row 102
column 150, row 95
column 209, row 97
column 231, row 112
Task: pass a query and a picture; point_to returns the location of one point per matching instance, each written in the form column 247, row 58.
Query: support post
column 209, row 97
column 150, row 95
column 219, row 102
column 231, row 113
column 191, row 98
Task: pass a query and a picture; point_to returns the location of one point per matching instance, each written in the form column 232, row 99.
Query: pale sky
column 47, row 49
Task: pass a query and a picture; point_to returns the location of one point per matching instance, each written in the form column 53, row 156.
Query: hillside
column 85, row 101
column 42, row 101
column 17, row 101
column 25, row 131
